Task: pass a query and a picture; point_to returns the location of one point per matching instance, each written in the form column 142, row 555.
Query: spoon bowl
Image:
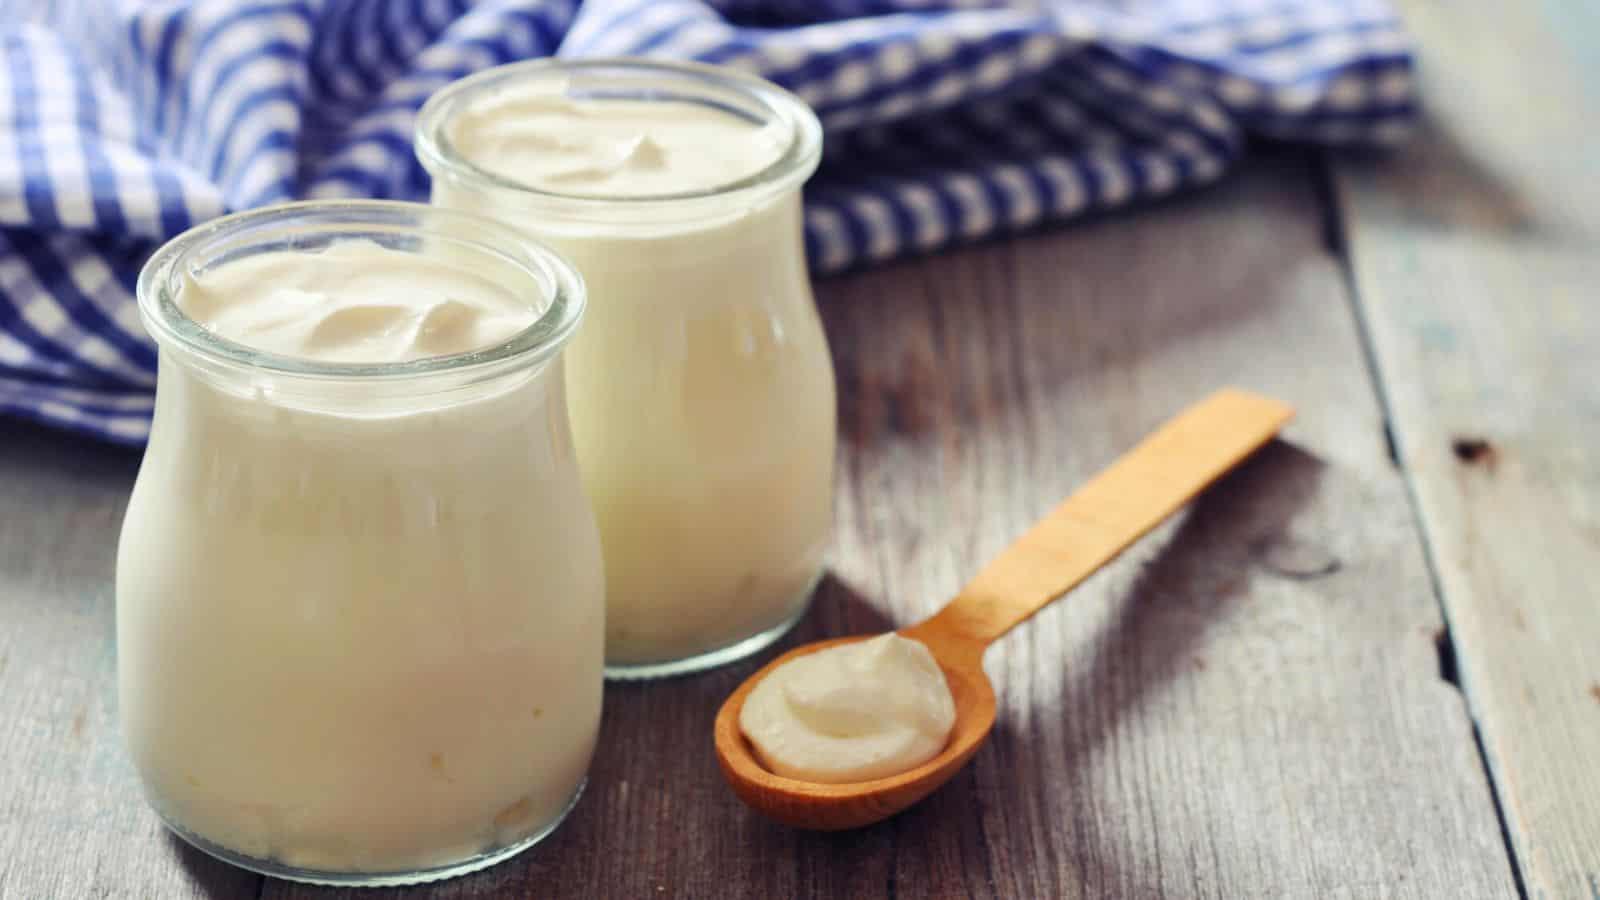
column 835, row 807
column 1089, row 529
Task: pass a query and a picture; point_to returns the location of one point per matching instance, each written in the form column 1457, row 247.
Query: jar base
column 373, row 879
column 721, row 656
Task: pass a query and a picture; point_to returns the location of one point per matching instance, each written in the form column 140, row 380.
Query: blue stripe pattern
column 947, row 121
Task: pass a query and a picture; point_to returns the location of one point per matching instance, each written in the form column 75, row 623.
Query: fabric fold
column 122, row 125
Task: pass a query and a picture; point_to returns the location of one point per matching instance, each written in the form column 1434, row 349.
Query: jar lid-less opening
column 557, row 294
column 746, row 96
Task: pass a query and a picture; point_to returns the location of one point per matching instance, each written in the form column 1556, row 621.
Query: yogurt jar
column 360, row 606
column 702, row 389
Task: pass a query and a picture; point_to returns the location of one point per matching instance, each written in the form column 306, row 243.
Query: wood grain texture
column 1476, row 254
column 1246, row 704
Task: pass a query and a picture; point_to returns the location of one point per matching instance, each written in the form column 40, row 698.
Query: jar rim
column 564, row 294
column 801, row 154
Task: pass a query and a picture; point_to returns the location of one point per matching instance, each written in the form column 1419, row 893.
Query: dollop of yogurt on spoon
column 854, row 712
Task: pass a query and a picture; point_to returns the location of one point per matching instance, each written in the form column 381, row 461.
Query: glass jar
column 703, row 402
column 701, row 388
column 360, row 606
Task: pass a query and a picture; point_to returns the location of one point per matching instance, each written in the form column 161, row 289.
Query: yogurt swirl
column 851, row 713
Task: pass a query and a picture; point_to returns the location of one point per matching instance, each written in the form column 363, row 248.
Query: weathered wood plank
column 1246, row 705
column 1476, row 254
column 72, row 823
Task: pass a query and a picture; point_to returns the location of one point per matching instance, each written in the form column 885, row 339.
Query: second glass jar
column 702, row 391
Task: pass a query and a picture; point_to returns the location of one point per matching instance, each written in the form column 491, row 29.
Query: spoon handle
column 1114, row 509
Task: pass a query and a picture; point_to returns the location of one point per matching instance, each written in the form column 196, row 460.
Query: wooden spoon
column 1085, row 532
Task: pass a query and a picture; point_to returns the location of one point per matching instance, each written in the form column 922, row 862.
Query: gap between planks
column 1335, row 229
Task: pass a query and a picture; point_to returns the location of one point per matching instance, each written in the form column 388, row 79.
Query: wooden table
column 1367, row 664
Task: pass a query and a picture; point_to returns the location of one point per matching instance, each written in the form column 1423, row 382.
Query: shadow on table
column 58, row 453
column 1162, row 618
column 678, row 713
column 1151, row 639
column 212, row 878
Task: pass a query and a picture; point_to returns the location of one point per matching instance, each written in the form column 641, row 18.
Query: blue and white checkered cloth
column 123, row 123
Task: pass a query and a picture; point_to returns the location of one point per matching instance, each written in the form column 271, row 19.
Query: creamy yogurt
column 612, row 147
column 702, row 388
column 359, row 620
column 354, row 302
column 853, row 712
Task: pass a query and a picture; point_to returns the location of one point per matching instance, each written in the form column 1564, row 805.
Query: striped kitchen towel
column 123, row 123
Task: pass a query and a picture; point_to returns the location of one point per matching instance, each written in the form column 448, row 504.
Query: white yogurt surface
column 353, row 635
column 354, row 302
column 612, row 148
column 855, row 712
